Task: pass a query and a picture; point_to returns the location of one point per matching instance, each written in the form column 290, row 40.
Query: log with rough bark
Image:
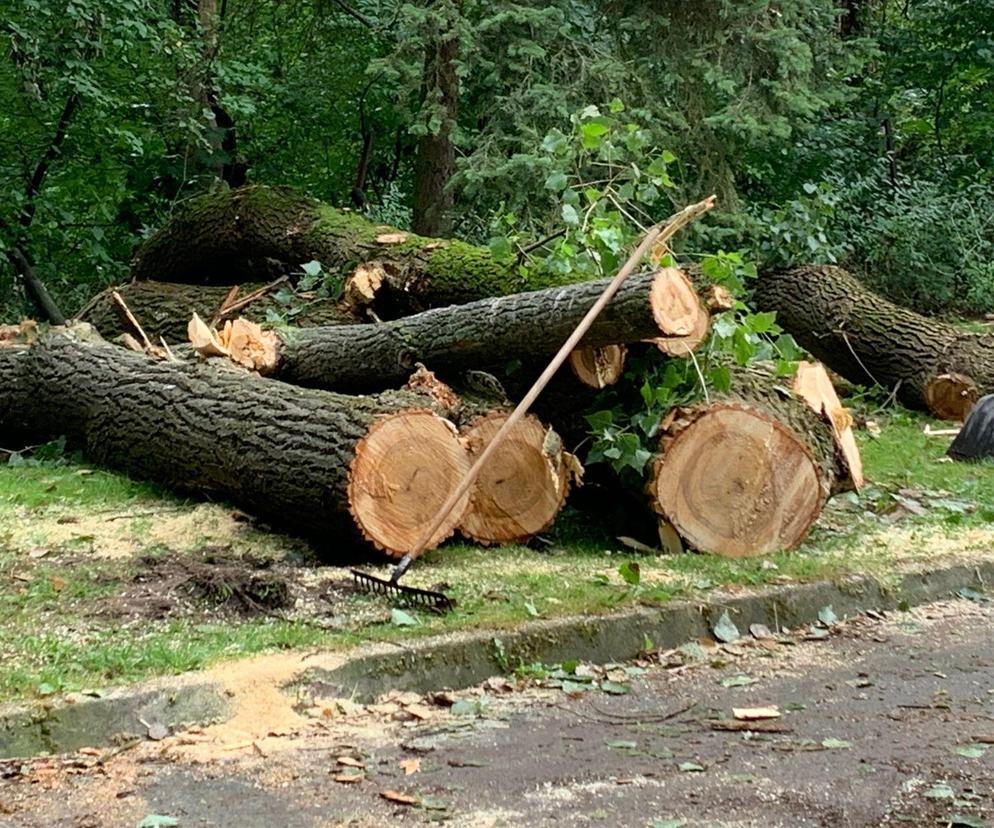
column 359, row 358
column 164, row 308
column 747, row 473
column 329, row 465
column 934, row 366
column 258, row 233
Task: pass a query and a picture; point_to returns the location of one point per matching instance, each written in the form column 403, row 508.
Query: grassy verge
column 105, row 580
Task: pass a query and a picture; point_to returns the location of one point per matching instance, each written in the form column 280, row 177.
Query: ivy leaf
column 311, row 268
column 570, row 216
column 556, row 181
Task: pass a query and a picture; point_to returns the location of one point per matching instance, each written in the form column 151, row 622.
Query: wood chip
column 751, row 714
column 349, row 778
column 399, row 798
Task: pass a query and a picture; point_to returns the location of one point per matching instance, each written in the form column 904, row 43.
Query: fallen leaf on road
column 760, row 631
column 827, row 616
column 738, row 681
column 690, row 767
column 725, row 631
column 158, row 821
column 410, row 766
column 836, row 744
column 940, row 791
column 420, row 711
column 349, row 776
column 749, row 714
column 974, row 751
column 399, row 798
column 350, row 762
column 157, row 732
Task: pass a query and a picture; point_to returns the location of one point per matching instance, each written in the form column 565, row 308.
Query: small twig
column 131, row 319
column 245, row 301
column 646, row 719
column 528, row 248
column 229, row 297
column 169, row 353
column 153, row 513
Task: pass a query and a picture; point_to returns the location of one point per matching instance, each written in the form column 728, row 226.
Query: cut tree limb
column 871, row 341
column 522, row 326
column 325, row 464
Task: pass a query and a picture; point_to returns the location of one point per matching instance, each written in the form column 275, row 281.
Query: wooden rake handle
column 657, row 235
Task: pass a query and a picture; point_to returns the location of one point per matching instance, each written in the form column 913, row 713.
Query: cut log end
column 404, row 469
column 813, row 384
column 951, row 396
column 524, row 486
column 676, row 306
column 598, row 367
column 681, row 346
column 737, row 483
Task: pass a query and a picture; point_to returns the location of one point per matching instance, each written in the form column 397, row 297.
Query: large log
column 258, row 233
column 325, row 464
column 934, row 366
column 521, row 326
column 165, row 308
column 748, row 472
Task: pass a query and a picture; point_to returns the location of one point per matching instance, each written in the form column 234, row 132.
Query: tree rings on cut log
column 676, row 307
column 815, row 387
column 951, row 396
column 524, row 486
column 404, row 469
column 680, row 346
column 598, row 367
column 736, row 482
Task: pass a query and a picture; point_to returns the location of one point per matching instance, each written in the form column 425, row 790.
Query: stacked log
column 931, row 365
column 745, row 473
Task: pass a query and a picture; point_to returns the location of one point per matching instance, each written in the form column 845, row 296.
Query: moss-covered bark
column 869, row 340
column 277, row 450
column 164, row 308
column 257, row 233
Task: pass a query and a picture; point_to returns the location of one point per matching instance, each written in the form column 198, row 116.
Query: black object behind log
column 975, row 440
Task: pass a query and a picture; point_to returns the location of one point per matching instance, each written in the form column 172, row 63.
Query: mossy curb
column 463, row 659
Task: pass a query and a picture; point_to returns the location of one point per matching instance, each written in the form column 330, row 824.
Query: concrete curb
column 463, row 659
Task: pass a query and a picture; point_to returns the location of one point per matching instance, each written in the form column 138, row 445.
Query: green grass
column 59, row 524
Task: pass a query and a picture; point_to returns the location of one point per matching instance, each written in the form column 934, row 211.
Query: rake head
column 411, row 596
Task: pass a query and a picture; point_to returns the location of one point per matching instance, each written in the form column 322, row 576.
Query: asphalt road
column 881, row 722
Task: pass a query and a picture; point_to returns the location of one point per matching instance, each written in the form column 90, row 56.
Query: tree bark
column 325, row 464
column 871, row 341
column 435, row 160
column 747, row 473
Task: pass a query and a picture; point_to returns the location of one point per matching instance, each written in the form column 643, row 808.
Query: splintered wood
column 244, row 343
column 815, row 387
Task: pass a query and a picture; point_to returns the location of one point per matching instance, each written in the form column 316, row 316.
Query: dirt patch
column 214, row 581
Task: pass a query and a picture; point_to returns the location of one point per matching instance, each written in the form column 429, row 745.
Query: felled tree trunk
column 325, row 464
column 521, row 326
column 933, row 365
column 165, row 308
column 747, row 473
column 257, row 233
